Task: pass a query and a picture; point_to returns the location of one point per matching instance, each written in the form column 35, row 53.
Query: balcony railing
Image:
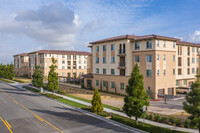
column 122, row 64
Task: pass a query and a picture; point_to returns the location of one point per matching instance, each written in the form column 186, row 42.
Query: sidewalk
column 123, row 114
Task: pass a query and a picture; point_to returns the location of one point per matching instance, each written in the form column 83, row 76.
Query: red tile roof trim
column 22, row 54
column 61, row 52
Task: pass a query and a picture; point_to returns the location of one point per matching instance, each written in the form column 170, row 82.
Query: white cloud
column 53, row 25
column 194, row 37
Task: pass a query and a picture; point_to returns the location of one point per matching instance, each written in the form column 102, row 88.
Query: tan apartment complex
column 21, row 64
column 165, row 62
column 69, row 63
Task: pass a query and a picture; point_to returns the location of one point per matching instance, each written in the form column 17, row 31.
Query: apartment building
column 165, row 62
column 21, row 64
column 69, row 63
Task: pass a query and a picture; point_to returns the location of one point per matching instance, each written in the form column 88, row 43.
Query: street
column 22, row 111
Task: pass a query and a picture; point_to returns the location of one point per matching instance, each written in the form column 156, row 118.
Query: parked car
column 182, row 90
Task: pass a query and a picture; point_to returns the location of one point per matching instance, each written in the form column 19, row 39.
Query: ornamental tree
column 37, row 77
column 192, row 103
column 97, row 105
column 53, row 83
column 136, row 95
column 11, row 72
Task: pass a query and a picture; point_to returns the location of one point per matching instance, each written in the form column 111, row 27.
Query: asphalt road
column 22, row 111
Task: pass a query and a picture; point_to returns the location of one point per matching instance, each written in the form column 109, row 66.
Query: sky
column 30, row 25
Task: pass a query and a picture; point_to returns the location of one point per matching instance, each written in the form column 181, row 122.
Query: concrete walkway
column 123, row 114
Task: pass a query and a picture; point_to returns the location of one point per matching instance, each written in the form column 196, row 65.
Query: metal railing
column 122, row 51
column 122, row 64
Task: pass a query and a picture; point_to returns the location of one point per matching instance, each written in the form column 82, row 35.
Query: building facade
column 165, row 62
column 69, row 63
column 21, row 64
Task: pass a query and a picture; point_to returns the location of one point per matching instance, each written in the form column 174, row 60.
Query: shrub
column 163, row 119
column 186, row 123
column 150, row 116
column 178, row 122
column 171, row 120
column 156, row 117
column 97, row 105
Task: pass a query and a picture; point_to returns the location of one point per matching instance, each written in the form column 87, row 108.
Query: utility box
column 41, row 90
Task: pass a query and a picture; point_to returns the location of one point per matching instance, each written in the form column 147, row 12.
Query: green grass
column 20, row 81
column 89, row 101
column 7, row 81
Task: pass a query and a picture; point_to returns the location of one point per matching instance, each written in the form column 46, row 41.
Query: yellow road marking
column 36, row 116
column 6, row 124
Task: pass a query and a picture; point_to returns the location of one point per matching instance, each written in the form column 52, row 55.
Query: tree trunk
column 199, row 128
column 136, row 120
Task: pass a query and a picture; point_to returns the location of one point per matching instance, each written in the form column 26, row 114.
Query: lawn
column 8, row 81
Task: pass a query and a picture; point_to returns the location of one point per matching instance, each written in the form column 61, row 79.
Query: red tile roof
column 135, row 38
column 22, row 54
column 187, row 43
column 61, row 52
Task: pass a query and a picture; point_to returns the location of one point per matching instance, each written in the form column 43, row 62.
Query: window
column 197, row 50
column 112, row 47
column 174, row 58
column 193, row 70
column 149, row 58
column 173, row 71
column 188, row 50
column 63, row 67
column 137, row 58
column 149, row 73
column 63, row 56
column 158, row 72
column 104, row 47
column 179, row 61
column 79, row 62
column 97, row 70
column 179, row 71
column 188, row 71
column 164, row 72
column 193, row 49
column 164, row 44
column 79, row 67
column 197, row 59
column 104, row 59
column 177, row 83
column 85, row 62
column 97, row 48
column 193, row 60
column 148, row 88
column 174, row 44
column 45, row 55
column 97, row 82
column 137, row 45
column 157, row 43
column 112, row 71
column 122, row 86
column 97, row 59
column 104, row 71
column 112, row 59
column 149, row 44
column 164, row 57
column 69, row 57
column 85, row 67
column 185, row 82
column 63, row 74
column 104, row 83
column 188, row 61
column 63, row 62
column 113, row 85
column 158, row 57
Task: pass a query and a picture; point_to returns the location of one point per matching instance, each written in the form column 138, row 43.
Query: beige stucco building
column 69, row 63
column 165, row 62
column 21, row 64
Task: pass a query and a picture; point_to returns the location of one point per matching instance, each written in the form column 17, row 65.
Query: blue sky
column 28, row 25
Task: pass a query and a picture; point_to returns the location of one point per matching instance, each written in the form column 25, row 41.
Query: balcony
column 122, row 65
column 121, row 52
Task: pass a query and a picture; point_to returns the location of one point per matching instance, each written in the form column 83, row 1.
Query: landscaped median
column 115, row 117
column 5, row 80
